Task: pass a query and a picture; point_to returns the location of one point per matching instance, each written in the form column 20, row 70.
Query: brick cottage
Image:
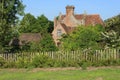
column 64, row 24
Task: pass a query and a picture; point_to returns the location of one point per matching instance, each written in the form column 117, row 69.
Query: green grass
column 99, row 74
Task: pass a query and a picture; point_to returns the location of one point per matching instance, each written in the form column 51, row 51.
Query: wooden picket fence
column 93, row 56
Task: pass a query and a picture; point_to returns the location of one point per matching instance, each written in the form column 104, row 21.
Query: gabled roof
column 67, row 29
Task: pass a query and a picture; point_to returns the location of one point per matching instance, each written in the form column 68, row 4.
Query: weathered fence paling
column 108, row 54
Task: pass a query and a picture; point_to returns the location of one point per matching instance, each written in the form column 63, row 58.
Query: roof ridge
column 94, row 14
column 81, row 14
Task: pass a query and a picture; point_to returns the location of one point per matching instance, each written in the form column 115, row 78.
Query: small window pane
column 59, row 32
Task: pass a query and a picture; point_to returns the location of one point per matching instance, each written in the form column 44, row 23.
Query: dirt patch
column 73, row 68
column 103, row 67
column 13, row 70
column 99, row 78
column 55, row 69
column 59, row 69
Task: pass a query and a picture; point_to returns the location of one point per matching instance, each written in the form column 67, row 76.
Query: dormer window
column 59, row 32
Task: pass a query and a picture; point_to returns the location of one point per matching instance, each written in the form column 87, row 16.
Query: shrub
column 72, row 63
column 2, row 61
column 23, row 62
column 10, row 65
column 42, row 61
column 84, row 64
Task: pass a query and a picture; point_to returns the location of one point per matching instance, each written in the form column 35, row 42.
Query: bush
column 2, row 61
column 10, row 65
column 84, row 64
column 23, row 62
column 42, row 61
column 63, row 63
column 110, row 62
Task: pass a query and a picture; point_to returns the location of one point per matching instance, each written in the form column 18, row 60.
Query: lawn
column 60, row 74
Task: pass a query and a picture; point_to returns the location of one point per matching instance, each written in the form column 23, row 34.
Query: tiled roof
column 93, row 19
column 89, row 19
column 79, row 16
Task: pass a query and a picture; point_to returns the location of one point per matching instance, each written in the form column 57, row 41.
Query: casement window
column 59, row 32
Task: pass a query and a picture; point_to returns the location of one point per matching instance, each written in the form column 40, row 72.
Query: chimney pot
column 70, row 10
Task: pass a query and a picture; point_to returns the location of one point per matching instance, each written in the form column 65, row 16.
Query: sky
column 52, row 8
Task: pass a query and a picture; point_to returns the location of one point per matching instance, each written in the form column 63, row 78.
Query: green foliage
column 9, row 9
column 26, row 47
column 47, row 44
column 111, row 37
column 42, row 61
column 67, row 63
column 23, row 60
column 30, row 24
column 34, row 46
column 27, row 23
column 10, row 65
column 113, row 24
column 83, row 38
column 84, row 66
column 2, row 61
column 45, row 61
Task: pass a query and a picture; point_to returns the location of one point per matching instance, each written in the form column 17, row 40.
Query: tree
column 41, row 24
column 9, row 9
column 46, row 25
column 111, row 39
column 47, row 43
column 30, row 24
column 27, row 23
column 82, row 38
column 111, row 36
column 113, row 24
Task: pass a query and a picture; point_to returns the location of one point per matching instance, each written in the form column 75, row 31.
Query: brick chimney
column 70, row 10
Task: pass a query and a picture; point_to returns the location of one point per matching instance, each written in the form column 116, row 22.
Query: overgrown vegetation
column 43, row 60
column 41, row 25
column 111, row 36
column 86, row 38
column 94, row 37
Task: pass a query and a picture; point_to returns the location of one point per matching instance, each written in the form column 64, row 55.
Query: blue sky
column 52, row 8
